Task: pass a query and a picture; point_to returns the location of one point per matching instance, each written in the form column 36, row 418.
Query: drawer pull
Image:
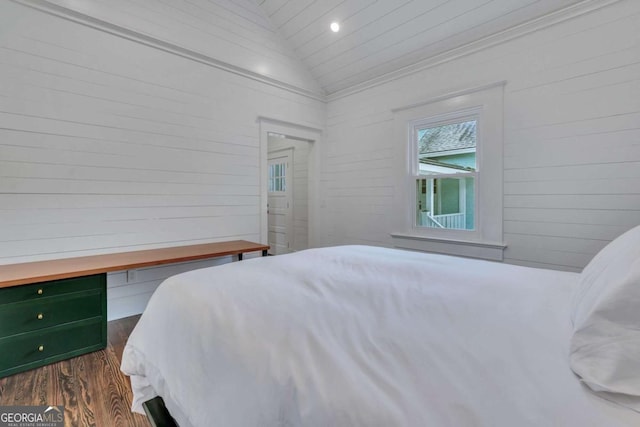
column 40, row 291
column 40, row 316
column 41, row 348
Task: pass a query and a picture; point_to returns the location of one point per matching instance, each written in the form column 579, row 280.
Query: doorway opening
column 287, row 193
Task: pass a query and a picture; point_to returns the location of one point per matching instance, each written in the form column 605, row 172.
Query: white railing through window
column 454, row 221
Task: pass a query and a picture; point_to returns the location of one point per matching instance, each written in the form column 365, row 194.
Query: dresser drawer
column 42, row 313
column 53, row 288
column 29, row 350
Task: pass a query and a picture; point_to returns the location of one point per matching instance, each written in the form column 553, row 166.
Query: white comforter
column 363, row 336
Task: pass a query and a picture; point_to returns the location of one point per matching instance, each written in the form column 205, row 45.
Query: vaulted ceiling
column 382, row 36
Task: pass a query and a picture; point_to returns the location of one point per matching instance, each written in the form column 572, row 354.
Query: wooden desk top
column 41, row 271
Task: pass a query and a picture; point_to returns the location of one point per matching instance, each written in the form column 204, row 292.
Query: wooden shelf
column 40, row 271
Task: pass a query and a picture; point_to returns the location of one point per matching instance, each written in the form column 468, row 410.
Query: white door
column 280, row 201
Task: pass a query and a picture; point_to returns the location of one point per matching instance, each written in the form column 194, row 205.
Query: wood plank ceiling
column 381, row 36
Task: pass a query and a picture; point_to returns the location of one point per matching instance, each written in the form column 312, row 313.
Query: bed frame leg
column 158, row 414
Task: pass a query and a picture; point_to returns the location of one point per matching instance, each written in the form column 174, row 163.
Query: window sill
column 484, row 250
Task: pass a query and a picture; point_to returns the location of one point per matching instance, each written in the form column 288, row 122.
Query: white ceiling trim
column 280, row 122
column 449, row 95
column 567, row 13
column 156, row 43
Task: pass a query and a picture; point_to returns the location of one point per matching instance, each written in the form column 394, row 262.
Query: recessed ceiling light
column 335, row 27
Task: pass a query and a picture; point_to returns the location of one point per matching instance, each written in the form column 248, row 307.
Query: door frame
column 293, row 130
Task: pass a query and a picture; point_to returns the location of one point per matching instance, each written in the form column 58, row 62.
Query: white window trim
column 485, row 103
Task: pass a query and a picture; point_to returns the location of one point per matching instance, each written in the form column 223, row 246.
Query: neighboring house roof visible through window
column 440, row 139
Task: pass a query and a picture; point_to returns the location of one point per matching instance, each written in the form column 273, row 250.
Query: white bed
column 364, row 336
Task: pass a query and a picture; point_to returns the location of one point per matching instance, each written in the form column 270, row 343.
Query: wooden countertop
column 41, row 271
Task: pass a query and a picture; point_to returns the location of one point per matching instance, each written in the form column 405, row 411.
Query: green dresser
column 50, row 321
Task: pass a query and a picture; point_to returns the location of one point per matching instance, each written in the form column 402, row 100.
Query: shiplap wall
column 108, row 145
column 572, row 132
column 300, row 187
column 236, row 32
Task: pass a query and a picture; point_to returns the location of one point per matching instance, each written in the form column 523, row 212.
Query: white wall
column 300, row 197
column 127, row 295
column 236, row 34
column 109, row 145
column 571, row 154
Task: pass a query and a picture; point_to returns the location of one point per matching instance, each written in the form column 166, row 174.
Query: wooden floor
column 91, row 387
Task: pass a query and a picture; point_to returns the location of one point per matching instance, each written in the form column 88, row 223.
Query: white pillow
column 605, row 347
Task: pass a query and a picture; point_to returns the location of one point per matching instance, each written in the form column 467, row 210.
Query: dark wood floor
column 91, row 387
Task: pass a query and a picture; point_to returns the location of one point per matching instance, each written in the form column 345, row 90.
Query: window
column 277, row 177
column 445, row 174
column 449, row 170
